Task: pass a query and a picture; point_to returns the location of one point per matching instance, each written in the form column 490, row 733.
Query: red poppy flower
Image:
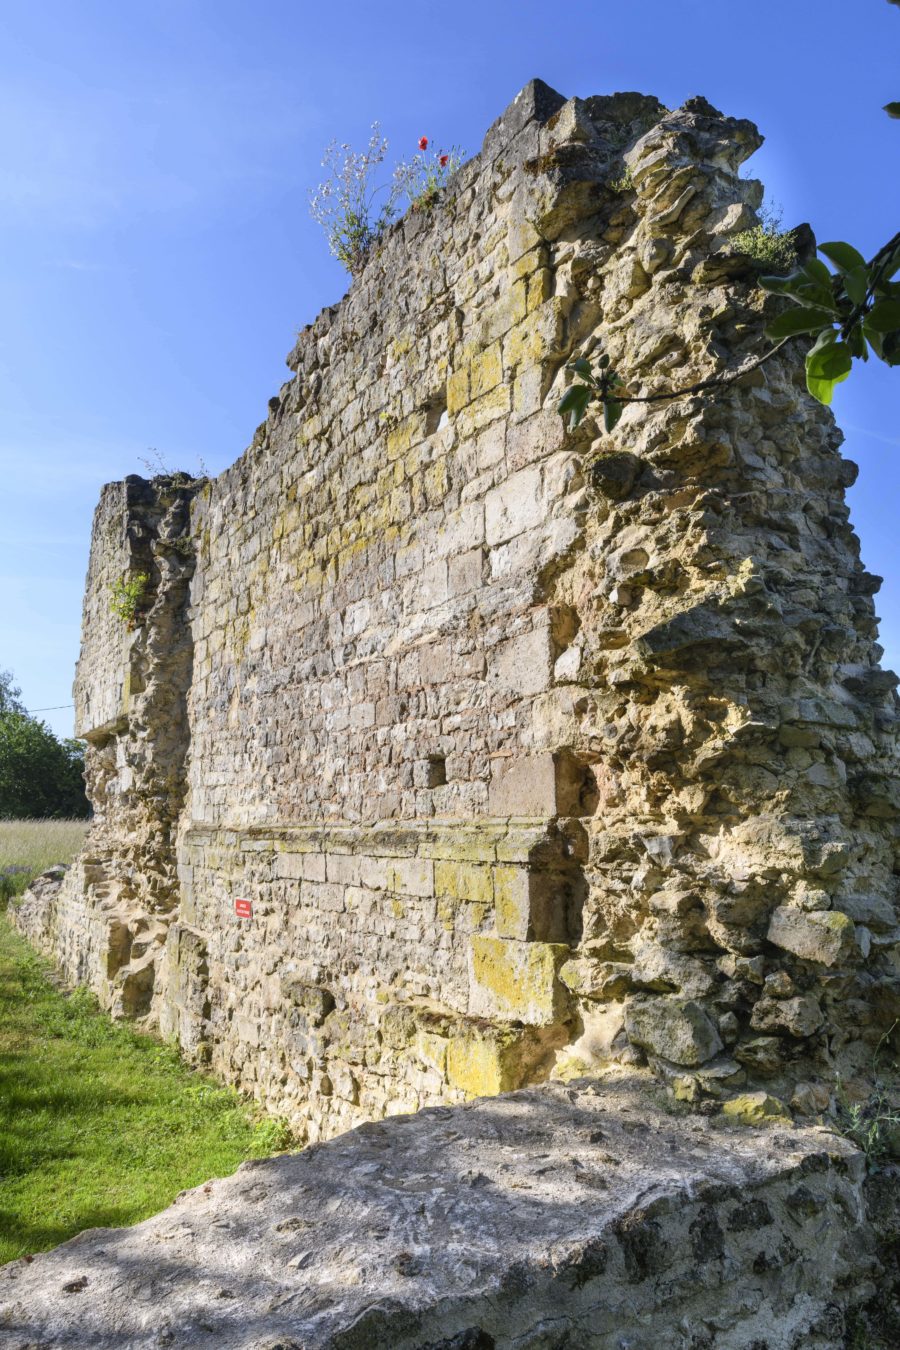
column 445, row 159
column 423, row 142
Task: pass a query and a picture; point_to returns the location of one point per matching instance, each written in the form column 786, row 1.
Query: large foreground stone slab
column 577, row 1216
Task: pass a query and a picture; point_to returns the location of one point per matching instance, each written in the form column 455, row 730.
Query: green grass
column 29, row 847
column 99, row 1125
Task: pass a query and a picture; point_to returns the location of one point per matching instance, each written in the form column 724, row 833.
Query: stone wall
column 525, row 753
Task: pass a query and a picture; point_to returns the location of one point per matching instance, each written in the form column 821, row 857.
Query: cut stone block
column 517, row 981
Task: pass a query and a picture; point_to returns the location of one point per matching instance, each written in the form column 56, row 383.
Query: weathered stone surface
column 678, row 1030
column 799, row 1016
column 755, row 1108
column 578, row 1217
column 826, row 936
column 452, row 701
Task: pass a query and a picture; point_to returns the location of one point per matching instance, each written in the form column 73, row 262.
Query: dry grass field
column 29, row 847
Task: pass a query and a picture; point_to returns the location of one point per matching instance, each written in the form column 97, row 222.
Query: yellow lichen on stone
column 457, row 390
column 485, row 370
column 511, row 902
column 464, row 881
column 482, row 1066
column 528, row 263
column 540, row 288
column 517, row 980
column 404, row 436
column 485, row 410
column 756, row 1108
column 432, row 1050
column 435, row 482
column 523, row 345
column 400, row 346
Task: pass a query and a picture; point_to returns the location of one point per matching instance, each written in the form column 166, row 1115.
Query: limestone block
column 411, row 876
column 678, row 1030
column 523, row 787
column 531, row 904
column 522, row 664
column 799, row 1017
column 592, row 978
column 517, row 981
column 875, row 911
column 481, row 1062
column 769, row 1237
column 514, row 506
column 825, row 936
column 755, row 1108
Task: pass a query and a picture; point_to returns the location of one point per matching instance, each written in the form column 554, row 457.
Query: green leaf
column 581, row 367
column 844, row 256
column 856, row 284
column 892, row 349
column 612, row 411
column 857, row 343
column 826, row 338
column 795, row 321
column 817, row 272
column 830, row 360
column 801, row 288
column 884, row 317
column 827, row 364
column 892, row 109
column 574, row 402
column 874, row 340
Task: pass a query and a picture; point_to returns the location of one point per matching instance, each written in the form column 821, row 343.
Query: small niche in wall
column 437, row 771
column 577, row 793
column 436, row 416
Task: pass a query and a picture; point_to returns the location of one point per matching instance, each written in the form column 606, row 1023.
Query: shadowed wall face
column 520, row 751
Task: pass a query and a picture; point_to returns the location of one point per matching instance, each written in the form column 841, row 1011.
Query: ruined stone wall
column 106, row 925
column 531, row 752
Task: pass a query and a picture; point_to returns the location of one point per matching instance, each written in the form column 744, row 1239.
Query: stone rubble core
column 555, row 1218
column 533, row 754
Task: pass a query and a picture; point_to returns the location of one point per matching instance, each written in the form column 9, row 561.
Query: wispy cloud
column 872, row 435
column 81, row 265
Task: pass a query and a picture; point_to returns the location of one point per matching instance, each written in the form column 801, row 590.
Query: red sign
column 243, row 909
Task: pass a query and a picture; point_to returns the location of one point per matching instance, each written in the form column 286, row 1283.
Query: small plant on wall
column 354, row 209
column 426, row 175
column 128, row 596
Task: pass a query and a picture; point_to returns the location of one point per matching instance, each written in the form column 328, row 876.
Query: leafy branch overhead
column 849, row 313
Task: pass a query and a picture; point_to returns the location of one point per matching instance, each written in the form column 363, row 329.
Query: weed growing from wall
column 766, row 243
column 354, row 209
column 128, row 596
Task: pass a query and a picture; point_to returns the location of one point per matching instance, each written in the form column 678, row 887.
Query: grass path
column 99, row 1126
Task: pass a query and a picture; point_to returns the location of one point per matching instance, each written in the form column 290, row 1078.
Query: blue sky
column 157, row 257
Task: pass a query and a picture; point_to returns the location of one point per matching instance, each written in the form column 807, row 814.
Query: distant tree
column 9, row 693
column 40, row 775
